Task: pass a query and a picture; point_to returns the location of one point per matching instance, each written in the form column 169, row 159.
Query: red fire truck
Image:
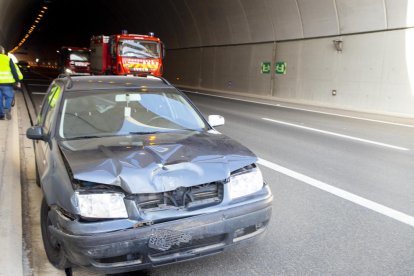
column 127, row 54
column 74, row 61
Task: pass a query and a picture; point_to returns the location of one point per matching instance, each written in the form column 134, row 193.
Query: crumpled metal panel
column 168, row 161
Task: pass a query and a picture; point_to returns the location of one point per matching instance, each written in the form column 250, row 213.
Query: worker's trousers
column 6, row 98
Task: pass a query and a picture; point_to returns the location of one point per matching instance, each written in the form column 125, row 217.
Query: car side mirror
column 35, row 133
column 215, row 120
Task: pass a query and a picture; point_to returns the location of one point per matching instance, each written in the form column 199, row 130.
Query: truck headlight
column 102, row 205
column 247, row 181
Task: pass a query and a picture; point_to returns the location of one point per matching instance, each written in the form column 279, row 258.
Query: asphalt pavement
column 342, row 184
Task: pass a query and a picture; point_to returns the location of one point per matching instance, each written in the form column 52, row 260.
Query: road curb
column 10, row 202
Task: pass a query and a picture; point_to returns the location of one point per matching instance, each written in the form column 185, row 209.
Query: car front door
column 45, row 120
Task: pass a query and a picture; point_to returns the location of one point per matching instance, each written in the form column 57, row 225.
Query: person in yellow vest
column 9, row 75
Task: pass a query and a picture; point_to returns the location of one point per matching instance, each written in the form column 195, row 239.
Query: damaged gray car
column 134, row 177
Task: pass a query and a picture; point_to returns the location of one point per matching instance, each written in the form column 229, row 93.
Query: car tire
column 54, row 250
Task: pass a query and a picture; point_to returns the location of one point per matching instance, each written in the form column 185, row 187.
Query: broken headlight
column 101, row 205
column 245, row 181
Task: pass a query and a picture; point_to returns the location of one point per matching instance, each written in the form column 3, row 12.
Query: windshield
column 138, row 48
column 122, row 112
column 79, row 56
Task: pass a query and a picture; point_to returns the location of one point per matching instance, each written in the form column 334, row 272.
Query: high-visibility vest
column 6, row 75
column 54, row 96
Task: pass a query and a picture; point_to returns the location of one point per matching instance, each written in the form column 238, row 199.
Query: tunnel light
column 31, row 29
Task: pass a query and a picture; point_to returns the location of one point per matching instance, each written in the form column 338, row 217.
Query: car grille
column 193, row 244
column 194, row 197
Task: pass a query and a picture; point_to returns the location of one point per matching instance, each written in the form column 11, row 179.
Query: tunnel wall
column 223, row 51
column 373, row 72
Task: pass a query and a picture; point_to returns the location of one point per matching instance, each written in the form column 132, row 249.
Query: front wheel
column 53, row 248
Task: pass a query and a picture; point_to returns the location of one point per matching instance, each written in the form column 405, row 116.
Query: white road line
column 338, row 135
column 384, row 210
column 304, row 109
column 39, row 93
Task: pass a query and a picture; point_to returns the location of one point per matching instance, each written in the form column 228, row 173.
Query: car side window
column 45, row 105
column 51, row 101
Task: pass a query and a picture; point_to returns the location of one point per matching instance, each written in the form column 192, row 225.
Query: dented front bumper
column 167, row 242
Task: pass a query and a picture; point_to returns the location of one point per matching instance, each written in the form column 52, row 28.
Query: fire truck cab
column 127, row 54
column 74, row 61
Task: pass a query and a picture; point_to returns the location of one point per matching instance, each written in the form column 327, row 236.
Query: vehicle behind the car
column 74, row 61
column 23, row 65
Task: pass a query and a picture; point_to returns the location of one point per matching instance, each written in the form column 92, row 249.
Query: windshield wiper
column 83, row 137
column 88, row 137
column 144, row 132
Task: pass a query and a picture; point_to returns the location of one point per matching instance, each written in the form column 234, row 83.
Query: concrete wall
column 374, row 71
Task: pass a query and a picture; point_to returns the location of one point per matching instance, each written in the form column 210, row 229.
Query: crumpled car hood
column 156, row 163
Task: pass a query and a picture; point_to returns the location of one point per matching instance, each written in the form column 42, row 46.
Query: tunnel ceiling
column 194, row 23
column 13, row 14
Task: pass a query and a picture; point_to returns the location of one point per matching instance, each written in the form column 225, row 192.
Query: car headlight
column 246, row 182
column 103, row 205
column 68, row 71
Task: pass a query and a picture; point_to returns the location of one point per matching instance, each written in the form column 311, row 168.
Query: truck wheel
column 53, row 248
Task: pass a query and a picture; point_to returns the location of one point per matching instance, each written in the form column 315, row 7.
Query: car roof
column 111, row 82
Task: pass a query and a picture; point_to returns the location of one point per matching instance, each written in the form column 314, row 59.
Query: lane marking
column 376, row 207
column 304, row 109
column 337, row 134
column 38, row 93
column 38, row 85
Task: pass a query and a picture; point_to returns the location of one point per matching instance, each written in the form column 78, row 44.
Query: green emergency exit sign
column 266, row 67
column 280, row 67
